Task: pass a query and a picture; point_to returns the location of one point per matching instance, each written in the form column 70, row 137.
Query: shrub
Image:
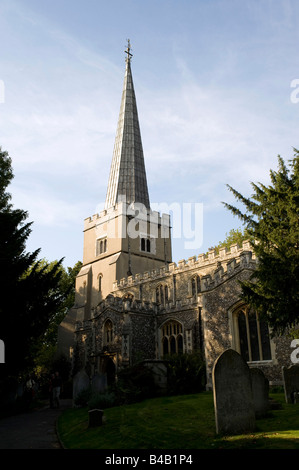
column 186, row 373
column 102, row 400
column 83, row 397
column 135, row 384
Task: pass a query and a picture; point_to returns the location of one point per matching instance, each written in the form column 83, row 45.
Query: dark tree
column 29, row 295
column 272, row 221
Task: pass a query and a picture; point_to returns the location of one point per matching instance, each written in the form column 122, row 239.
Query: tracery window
column 251, row 335
column 172, row 338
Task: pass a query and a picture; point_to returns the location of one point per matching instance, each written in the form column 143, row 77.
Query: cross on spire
column 127, row 51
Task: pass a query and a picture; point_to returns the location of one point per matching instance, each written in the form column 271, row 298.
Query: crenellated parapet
column 212, row 267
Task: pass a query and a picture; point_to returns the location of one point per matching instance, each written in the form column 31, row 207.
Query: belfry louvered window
column 101, row 246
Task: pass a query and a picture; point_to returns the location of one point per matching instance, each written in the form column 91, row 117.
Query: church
column 133, row 303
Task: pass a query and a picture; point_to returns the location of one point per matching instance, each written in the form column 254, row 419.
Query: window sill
column 255, row 363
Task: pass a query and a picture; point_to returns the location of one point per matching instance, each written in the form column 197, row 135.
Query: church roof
column 127, row 180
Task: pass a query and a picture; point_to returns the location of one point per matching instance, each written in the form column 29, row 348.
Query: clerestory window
column 172, row 338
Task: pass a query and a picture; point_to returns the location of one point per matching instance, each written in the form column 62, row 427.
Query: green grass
column 176, row 422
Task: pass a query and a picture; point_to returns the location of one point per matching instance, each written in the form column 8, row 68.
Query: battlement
column 218, row 265
column 135, row 210
column 137, row 306
column 216, row 270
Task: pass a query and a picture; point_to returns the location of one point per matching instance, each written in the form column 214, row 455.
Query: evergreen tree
column 272, row 221
column 44, row 349
column 30, row 296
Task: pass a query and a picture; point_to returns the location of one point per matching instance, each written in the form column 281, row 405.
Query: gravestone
column 99, row 383
column 260, row 392
column 80, row 382
column 291, row 383
column 233, row 400
column 95, row 418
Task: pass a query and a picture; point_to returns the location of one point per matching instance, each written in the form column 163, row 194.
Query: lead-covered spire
column 127, row 180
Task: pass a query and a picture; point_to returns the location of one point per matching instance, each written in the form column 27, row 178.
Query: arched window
column 145, row 245
column 129, row 297
column 252, row 337
column 162, row 294
column 172, row 338
column 108, row 332
column 101, row 246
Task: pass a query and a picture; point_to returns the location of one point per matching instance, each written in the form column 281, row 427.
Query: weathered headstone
column 233, row 400
column 80, row 382
column 260, row 392
column 291, row 382
column 99, row 383
column 95, row 418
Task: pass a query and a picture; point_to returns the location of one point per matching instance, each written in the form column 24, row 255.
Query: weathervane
column 127, row 51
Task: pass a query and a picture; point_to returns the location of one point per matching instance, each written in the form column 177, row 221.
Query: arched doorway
column 109, row 369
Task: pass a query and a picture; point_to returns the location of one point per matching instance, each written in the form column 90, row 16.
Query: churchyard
column 241, row 412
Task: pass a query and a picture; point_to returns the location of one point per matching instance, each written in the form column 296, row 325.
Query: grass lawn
column 176, row 422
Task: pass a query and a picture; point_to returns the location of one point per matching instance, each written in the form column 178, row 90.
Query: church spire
column 127, row 180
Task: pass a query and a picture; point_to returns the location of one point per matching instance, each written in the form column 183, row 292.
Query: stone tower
column 127, row 237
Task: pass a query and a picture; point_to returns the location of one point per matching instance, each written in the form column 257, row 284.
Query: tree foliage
column 233, row 236
column 30, row 292
column 44, row 348
column 272, row 221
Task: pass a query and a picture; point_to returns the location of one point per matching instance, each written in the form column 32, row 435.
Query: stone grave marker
column 291, row 383
column 233, row 400
column 260, row 392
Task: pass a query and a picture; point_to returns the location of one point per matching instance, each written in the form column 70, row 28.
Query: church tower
column 127, row 237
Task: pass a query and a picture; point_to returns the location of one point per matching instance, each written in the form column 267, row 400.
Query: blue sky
column 213, row 85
